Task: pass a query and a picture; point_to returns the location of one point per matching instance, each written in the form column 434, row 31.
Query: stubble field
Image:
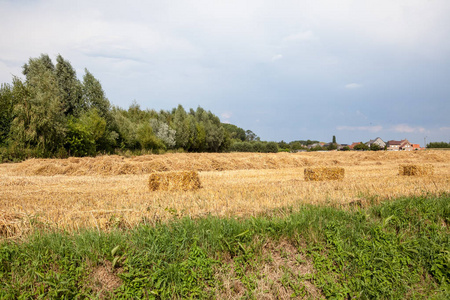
column 111, row 191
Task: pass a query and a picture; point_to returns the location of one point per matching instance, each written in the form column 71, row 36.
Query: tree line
column 438, row 145
column 51, row 113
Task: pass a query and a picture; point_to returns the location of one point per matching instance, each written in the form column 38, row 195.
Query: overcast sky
column 287, row 70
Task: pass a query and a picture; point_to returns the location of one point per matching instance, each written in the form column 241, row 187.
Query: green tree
column 6, row 110
column 182, row 129
column 332, row 146
column 283, row 145
column 250, row 136
column 295, row 146
column 163, row 132
column 94, row 96
column 438, row 145
column 79, row 139
column 70, row 87
column 375, row 147
column 38, row 111
column 126, row 128
column 361, row 146
column 271, row 147
column 334, row 139
column 147, row 139
column 235, row 132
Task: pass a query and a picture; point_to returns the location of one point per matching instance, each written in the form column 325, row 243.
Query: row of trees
column 52, row 113
column 438, row 145
column 255, row 146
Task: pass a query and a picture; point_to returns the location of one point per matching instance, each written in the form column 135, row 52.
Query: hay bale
column 174, row 180
column 415, row 170
column 324, row 173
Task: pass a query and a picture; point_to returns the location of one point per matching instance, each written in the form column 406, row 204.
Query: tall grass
column 397, row 249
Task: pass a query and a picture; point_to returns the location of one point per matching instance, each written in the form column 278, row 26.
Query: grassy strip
column 398, row 249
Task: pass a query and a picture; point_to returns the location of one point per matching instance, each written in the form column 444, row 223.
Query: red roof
column 354, row 144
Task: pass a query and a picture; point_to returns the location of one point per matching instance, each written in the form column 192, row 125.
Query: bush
column 271, row 147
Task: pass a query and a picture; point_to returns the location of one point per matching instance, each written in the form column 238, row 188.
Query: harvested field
column 112, row 191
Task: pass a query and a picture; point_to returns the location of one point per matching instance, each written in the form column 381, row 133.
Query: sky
column 287, row 70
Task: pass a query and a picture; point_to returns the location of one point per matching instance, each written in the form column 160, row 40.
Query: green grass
column 393, row 250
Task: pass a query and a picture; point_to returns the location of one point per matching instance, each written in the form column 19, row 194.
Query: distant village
column 376, row 144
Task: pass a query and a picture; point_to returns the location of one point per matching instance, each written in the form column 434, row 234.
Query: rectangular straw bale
column 174, row 181
column 324, row 173
column 415, row 170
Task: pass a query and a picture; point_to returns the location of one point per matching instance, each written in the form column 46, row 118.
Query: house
column 353, row 145
column 403, row 145
column 416, row 146
column 406, row 145
column 393, row 145
column 378, row 141
column 315, row 145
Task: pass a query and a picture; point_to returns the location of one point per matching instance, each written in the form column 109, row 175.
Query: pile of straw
column 324, row 173
column 174, row 181
column 8, row 225
column 415, row 170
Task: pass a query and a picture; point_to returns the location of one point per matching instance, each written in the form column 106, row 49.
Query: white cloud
column 352, row 86
column 360, row 114
column 277, row 57
column 375, row 128
column 226, row 116
column 444, row 128
column 405, row 128
column 301, row 36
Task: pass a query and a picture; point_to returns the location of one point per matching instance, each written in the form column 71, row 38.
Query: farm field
column 112, row 192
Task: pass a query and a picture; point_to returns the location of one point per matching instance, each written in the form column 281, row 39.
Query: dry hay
column 246, row 187
column 324, row 173
column 9, row 224
column 146, row 164
column 415, row 170
column 174, row 181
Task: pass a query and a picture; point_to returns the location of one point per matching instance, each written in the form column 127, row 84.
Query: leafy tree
column 44, row 59
column 79, row 140
column 332, row 146
column 283, row 145
column 438, row 145
column 39, row 119
column 235, row 131
column 200, row 137
column 94, row 96
column 259, row 147
column 271, row 147
column 70, row 87
column 334, row 139
column 147, row 139
column 296, row 146
column 163, row 132
column 182, row 129
column 361, row 146
column 250, row 136
column 316, row 148
column 126, row 129
column 6, row 110
column 375, row 147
